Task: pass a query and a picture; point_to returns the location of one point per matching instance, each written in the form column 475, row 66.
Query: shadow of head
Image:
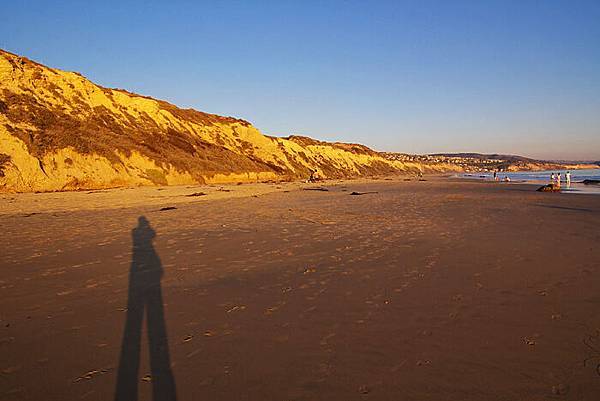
column 144, row 258
column 143, row 234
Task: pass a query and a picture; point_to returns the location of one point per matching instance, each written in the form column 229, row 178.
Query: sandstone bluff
column 59, row 131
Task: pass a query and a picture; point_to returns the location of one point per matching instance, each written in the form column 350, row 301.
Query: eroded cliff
column 59, row 131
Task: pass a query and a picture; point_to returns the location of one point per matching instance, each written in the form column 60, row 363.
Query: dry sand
column 436, row 290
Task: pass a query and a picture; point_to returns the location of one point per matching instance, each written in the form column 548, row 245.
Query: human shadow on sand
column 145, row 296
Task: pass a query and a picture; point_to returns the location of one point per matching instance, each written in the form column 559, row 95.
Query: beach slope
column 427, row 290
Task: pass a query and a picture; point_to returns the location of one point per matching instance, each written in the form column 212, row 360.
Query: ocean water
column 543, row 177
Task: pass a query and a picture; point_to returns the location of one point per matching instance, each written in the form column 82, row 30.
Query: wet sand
column 436, row 290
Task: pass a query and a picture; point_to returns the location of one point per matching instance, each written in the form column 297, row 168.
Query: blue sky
column 518, row 77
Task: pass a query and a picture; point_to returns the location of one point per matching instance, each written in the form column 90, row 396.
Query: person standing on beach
column 568, row 178
column 495, row 175
column 558, row 180
column 552, row 178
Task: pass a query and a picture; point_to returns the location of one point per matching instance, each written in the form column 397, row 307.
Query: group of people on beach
column 556, row 179
column 497, row 177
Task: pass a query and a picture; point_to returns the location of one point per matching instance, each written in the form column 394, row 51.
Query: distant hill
column 473, row 162
column 515, row 158
column 590, row 162
column 59, row 131
column 508, row 158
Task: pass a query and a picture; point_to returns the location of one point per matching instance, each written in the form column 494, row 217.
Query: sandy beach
column 434, row 290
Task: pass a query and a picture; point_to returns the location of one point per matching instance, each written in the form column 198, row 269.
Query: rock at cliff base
column 549, row 188
column 363, row 193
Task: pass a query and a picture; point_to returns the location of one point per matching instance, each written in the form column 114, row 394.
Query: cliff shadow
column 145, row 297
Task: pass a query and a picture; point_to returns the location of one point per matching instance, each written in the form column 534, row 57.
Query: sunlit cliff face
column 60, row 131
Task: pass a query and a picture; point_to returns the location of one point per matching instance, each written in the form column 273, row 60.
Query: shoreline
column 576, row 187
